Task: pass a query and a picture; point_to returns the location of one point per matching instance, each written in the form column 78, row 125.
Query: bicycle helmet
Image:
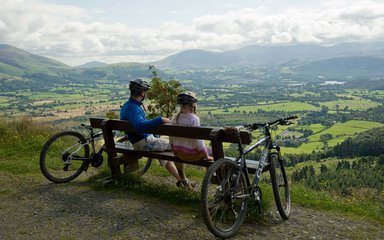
column 186, row 98
column 138, row 86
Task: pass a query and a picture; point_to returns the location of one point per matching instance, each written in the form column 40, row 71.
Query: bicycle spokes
column 224, row 204
column 64, row 156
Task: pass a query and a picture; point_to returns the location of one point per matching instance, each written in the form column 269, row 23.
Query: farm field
column 350, row 104
column 339, row 132
column 283, row 106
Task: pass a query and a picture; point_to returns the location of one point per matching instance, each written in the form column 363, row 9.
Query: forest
column 347, row 178
column 360, row 165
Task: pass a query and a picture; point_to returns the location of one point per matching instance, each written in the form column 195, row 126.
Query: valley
column 341, row 117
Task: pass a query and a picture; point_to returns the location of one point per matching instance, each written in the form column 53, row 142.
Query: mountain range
column 270, row 55
column 300, row 57
column 345, row 58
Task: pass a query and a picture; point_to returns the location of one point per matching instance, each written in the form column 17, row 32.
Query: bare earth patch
column 38, row 209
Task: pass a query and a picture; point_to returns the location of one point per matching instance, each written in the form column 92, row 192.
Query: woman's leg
column 180, row 170
column 170, row 166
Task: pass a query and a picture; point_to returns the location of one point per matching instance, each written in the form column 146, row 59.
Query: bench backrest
column 216, row 135
column 96, row 122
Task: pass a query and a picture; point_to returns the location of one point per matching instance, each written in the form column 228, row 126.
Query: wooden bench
column 216, row 136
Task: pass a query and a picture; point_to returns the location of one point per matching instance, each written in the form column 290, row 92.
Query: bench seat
column 126, row 149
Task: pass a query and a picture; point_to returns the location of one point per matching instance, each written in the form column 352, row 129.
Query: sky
column 79, row 31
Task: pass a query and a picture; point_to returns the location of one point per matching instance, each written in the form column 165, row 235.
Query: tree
column 323, row 168
column 325, row 137
column 112, row 115
column 162, row 95
column 324, row 110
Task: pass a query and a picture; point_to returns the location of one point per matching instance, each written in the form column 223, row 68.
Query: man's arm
column 141, row 124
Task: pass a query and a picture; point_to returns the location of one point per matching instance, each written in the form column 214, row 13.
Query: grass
column 20, row 145
column 322, row 200
column 136, row 184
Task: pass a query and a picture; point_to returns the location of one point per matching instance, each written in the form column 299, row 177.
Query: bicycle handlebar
column 280, row 121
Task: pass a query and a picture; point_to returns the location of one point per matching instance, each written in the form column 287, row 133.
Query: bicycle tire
column 143, row 163
column 280, row 185
column 144, row 166
column 56, row 162
column 223, row 209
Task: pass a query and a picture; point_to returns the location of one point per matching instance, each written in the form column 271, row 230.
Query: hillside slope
column 16, row 62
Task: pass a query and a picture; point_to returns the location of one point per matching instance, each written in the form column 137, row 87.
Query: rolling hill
column 17, row 62
column 359, row 65
column 20, row 69
column 272, row 55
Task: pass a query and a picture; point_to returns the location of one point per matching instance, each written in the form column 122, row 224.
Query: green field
column 351, row 104
column 4, row 100
column 284, row 106
column 339, row 132
column 303, row 94
column 219, row 96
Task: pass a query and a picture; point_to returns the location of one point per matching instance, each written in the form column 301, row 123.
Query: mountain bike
column 227, row 187
column 68, row 153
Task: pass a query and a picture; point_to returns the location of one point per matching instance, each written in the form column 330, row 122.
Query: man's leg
column 158, row 144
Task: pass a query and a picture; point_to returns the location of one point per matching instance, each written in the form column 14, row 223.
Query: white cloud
column 69, row 33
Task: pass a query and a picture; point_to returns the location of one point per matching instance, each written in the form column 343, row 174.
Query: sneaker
column 185, row 183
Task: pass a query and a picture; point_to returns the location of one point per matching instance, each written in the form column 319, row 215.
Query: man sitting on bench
column 133, row 112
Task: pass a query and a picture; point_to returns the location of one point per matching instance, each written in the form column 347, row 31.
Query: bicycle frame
column 267, row 142
column 89, row 141
column 263, row 159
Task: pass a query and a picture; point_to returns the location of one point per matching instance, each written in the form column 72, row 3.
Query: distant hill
column 20, row 69
column 93, row 64
column 344, row 66
column 268, row 55
column 17, row 62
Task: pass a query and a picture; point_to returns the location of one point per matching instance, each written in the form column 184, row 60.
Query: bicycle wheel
column 224, row 205
column 64, row 156
column 141, row 167
column 143, row 164
column 280, row 185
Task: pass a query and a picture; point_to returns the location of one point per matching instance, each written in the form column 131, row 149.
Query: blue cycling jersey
column 133, row 112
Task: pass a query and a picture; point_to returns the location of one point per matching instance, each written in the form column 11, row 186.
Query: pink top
column 186, row 148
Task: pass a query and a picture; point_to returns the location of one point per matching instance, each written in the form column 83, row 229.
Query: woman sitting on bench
column 185, row 148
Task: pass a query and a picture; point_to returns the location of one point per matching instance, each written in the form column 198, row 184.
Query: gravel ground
column 37, row 209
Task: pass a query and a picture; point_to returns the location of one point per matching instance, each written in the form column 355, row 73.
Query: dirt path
column 37, row 209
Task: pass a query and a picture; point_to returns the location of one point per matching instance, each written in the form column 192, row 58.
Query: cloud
column 68, row 32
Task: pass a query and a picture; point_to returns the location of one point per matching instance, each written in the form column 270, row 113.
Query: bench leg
column 114, row 165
